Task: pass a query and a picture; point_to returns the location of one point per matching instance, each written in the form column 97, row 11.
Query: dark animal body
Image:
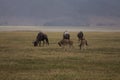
column 41, row 37
column 66, row 36
column 80, row 35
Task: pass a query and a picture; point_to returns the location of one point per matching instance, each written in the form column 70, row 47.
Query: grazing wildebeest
column 41, row 37
column 65, row 42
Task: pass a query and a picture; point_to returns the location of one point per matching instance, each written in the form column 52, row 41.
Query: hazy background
column 85, row 13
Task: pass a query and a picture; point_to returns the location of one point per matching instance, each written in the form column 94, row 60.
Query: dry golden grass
column 19, row 60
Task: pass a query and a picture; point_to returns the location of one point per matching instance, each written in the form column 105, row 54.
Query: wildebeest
column 82, row 40
column 41, row 37
column 80, row 35
column 65, row 42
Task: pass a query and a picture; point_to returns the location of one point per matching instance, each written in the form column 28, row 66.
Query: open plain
column 20, row 60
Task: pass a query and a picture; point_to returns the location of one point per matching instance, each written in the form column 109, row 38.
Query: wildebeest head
column 35, row 43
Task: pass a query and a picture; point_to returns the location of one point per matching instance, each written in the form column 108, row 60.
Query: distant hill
column 60, row 12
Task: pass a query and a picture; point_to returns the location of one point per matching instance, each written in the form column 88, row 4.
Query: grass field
column 19, row 60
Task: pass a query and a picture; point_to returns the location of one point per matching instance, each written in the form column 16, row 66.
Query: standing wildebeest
column 65, row 42
column 41, row 37
column 82, row 39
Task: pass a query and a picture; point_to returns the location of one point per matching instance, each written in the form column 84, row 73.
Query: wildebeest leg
column 81, row 44
column 65, row 47
column 47, row 41
column 40, row 43
column 43, row 42
column 71, row 45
